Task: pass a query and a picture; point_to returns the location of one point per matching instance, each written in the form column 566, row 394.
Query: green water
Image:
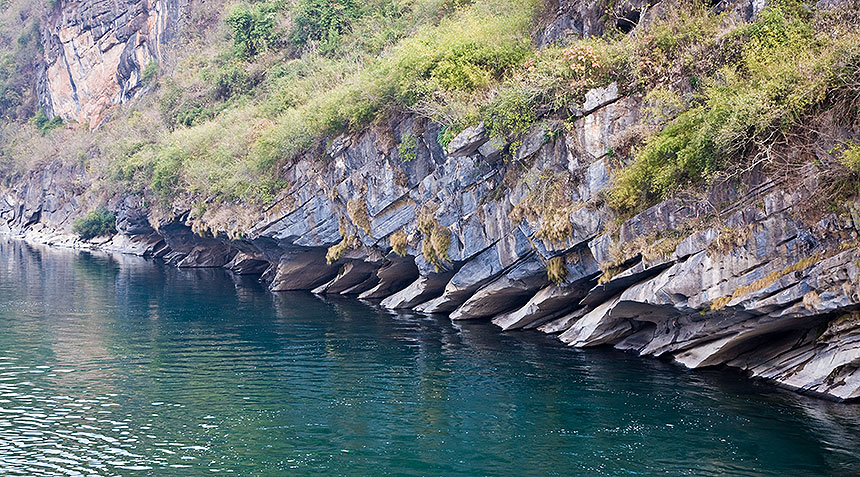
column 113, row 365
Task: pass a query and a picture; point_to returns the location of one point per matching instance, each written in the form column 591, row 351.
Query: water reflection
column 111, row 364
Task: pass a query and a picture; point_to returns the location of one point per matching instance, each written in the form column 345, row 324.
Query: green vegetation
column 408, row 148
column 19, row 50
column 850, row 157
column 95, row 224
column 230, row 117
column 323, row 22
column 254, row 29
column 150, row 71
column 45, row 125
column 777, row 73
column 551, row 80
column 254, row 85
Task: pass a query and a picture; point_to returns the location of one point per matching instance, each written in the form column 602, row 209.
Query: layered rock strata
column 741, row 276
column 97, row 53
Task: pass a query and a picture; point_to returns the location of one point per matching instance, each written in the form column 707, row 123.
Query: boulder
column 468, row 141
column 350, row 275
column 392, row 277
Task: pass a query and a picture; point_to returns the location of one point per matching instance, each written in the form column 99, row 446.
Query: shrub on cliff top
column 783, row 73
column 461, row 55
column 95, row 224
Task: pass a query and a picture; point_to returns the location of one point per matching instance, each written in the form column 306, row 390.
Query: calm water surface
column 114, row 365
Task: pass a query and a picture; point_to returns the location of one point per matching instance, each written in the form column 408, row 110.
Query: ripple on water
column 118, row 366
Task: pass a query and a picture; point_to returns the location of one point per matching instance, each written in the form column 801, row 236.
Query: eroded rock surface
column 96, row 52
column 735, row 279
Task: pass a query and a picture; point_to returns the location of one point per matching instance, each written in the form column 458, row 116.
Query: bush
column 231, row 80
column 19, row 60
column 44, row 124
column 166, row 173
column 782, row 74
column 192, row 116
column 553, row 80
column 253, row 29
column 95, row 224
column 681, row 154
column 850, row 157
column 408, row 148
column 323, row 22
column 149, row 72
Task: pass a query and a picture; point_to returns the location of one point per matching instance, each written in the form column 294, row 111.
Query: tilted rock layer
column 740, row 278
column 97, row 50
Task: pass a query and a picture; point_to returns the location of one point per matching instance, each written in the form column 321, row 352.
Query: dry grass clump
column 651, row 247
column 398, row 242
column 437, row 238
column 357, row 211
column 550, row 202
column 730, row 238
column 336, row 252
column 766, row 281
column 350, row 242
column 556, row 270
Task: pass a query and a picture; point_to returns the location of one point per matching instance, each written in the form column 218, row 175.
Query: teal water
column 113, row 365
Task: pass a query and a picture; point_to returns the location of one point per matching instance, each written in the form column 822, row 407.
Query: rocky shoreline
column 734, row 279
column 742, row 275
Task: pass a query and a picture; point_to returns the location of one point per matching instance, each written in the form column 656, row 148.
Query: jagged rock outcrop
column 96, row 52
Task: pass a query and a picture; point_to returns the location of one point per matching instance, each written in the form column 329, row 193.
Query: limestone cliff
column 739, row 276
column 97, row 50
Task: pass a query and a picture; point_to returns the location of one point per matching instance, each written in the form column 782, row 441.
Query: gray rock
column 548, row 302
column 601, row 131
column 474, row 274
column 600, row 97
column 351, row 274
column 468, row 141
column 506, row 293
column 392, row 277
column 302, row 270
column 532, row 142
column 248, row 264
column 695, row 243
column 421, row 290
column 563, row 322
column 493, row 150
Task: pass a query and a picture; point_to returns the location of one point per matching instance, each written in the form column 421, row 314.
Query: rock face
column 737, row 279
column 97, row 50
